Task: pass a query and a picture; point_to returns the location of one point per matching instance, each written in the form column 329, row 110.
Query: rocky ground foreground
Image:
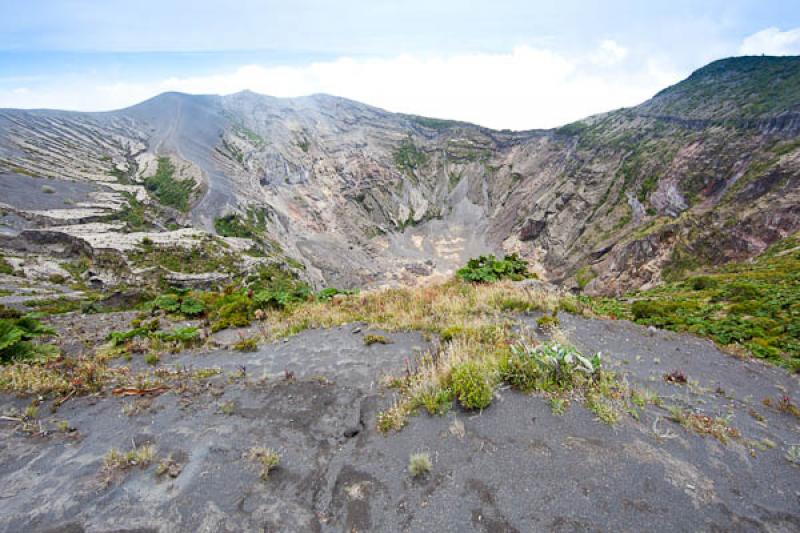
column 314, row 398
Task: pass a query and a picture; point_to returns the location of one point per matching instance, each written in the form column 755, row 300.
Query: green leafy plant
column 16, row 336
column 488, row 269
column 548, row 367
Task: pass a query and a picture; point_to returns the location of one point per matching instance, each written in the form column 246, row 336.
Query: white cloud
column 772, row 41
column 524, row 88
column 610, row 53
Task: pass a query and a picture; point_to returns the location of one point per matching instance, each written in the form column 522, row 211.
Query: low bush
column 471, row 385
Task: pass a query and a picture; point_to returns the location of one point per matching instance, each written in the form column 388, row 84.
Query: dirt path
column 514, row 467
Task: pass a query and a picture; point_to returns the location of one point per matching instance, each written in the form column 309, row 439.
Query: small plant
column 151, row 359
column 393, row 418
column 785, row 405
column 63, row 426
column 246, row 344
column 419, row 464
column 227, row 408
column 471, row 385
column 435, row 400
column 702, row 424
column 168, row 466
column 267, row 458
column 48, row 189
column 548, row 322
column 31, row 412
column 793, row 454
column 116, row 461
column 677, row 377
column 558, row 405
column 370, row 339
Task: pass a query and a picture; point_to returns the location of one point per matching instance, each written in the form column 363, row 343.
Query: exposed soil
column 514, row 467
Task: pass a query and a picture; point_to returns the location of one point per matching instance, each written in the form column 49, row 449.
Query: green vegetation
column 207, row 255
column 246, row 344
column 16, row 338
column 115, row 461
column 435, row 123
column 5, row 267
column 752, row 305
column 371, row 338
column 738, row 87
column 133, row 214
column 179, row 302
column 471, row 385
column 548, row 367
column 583, row 276
column 166, row 189
column 488, row 269
column 266, row 458
column 408, row 157
column 233, row 225
column 328, row 293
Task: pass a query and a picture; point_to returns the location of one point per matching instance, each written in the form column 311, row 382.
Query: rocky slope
column 705, row 172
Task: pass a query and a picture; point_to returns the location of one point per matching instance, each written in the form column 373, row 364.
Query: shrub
column 701, row 283
column 151, row 359
column 471, row 385
column 419, row 464
column 488, row 269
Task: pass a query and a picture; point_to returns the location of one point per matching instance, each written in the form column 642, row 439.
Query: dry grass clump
column 116, row 461
column 59, row 376
column 419, row 464
column 719, row 428
column 267, row 459
column 432, row 308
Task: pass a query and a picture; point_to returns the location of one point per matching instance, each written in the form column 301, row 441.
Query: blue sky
column 505, row 64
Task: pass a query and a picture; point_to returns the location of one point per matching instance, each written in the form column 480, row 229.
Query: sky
column 512, row 64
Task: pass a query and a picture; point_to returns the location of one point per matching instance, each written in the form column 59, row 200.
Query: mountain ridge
column 363, row 196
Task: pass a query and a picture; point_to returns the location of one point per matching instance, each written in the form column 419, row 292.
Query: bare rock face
column 363, row 197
